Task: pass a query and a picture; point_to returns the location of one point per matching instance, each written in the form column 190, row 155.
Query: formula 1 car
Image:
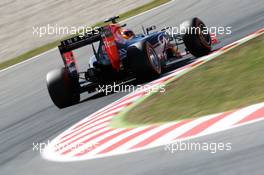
column 119, row 54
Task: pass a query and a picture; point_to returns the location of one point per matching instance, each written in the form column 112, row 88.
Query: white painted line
column 153, row 9
column 103, row 126
column 81, row 139
column 97, row 140
column 233, row 118
column 28, row 60
column 181, row 130
column 104, row 120
column 142, row 137
column 113, row 141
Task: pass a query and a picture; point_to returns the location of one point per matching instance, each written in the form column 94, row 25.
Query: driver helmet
column 127, row 34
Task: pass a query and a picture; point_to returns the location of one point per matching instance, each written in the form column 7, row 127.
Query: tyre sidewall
column 61, row 88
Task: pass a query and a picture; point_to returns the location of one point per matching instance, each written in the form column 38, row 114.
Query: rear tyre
column 62, row 88
column 197, row 38
column 143, row 61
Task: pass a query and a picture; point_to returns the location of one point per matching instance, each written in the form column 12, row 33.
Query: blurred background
column 19, row 16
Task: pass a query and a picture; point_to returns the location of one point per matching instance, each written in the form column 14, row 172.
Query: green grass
column 231, row 81
column 51, row 45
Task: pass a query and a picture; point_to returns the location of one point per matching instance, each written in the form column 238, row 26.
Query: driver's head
column 127, row 34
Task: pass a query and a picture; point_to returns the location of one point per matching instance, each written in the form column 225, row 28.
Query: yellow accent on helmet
column 127, row 34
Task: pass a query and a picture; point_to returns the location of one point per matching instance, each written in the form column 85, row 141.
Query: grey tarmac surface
column 27, row 114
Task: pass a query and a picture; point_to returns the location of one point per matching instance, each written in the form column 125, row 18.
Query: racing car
column 119, row 54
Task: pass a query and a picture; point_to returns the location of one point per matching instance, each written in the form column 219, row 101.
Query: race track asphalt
column 27, row 114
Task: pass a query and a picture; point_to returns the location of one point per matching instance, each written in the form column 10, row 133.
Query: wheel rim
column 205, row 38
column 154, row 60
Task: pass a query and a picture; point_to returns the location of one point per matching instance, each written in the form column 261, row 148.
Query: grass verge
column 233, row 80
column 51, row 45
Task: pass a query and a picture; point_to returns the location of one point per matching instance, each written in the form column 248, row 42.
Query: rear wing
column 78, row 41
column 67, row 46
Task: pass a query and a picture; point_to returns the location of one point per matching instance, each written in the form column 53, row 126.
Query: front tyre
column 197, row 39
column 62, row 88
column 144, row 61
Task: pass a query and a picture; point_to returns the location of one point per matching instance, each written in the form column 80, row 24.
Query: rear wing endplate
column 67, row 46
